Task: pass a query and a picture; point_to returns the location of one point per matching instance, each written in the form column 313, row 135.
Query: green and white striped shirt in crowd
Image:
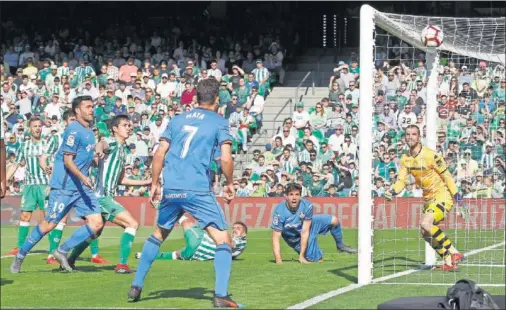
column 260, row 74
column 30, row 152
column 207, row 248
column 52, row 146
column 63, row 71
column 111, row 168
column 80, row 73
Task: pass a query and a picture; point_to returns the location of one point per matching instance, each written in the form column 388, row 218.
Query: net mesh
column 470, row 137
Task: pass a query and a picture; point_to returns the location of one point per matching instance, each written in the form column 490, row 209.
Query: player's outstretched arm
column 304, row 237
column 276, row 248
column 10, row 172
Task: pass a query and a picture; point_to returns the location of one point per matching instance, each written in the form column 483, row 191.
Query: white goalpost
column 391, row 250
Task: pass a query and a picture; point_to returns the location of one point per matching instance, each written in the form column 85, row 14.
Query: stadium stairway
column 322, row 62
column 281, row 100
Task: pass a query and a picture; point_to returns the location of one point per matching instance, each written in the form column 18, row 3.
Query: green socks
column 165, row 256
column 55, row 237
column 94, row 247
column 125, row 247
column 24, row 228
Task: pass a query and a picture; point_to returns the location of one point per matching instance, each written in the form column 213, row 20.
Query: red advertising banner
column 257, row 212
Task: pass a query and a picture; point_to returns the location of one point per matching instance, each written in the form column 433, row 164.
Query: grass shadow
column 5, row 281
column 86, row 269
column 199, row 293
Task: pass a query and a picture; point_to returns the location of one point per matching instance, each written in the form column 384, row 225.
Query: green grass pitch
column 255, row 282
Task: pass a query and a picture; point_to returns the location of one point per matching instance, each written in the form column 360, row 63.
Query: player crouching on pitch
column 293, row 220
column 201, row 247
column 430, row 173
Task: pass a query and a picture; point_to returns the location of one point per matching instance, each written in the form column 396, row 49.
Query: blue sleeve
column 277, row 220
column 167, row 134
column 308, row 215
column 71, row 141
column 224, row 133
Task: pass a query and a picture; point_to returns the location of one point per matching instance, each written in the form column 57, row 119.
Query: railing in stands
column 296, row 97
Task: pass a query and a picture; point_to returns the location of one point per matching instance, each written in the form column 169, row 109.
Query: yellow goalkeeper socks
column 445, row 245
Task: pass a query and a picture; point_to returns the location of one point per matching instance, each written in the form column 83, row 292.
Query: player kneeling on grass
column 430, row 173
column 112, row 154
column 293, row 220
column 201, row 247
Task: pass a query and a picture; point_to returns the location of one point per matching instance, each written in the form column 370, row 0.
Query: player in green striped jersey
column 111, row 155
column 199, row 246
column 36, row 189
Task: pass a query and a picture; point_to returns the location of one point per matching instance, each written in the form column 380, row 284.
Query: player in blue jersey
column 70, row 187
column 293, row 220
column 186, row 150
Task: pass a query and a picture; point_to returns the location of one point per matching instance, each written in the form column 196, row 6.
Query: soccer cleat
column 225, row 302
column 16, row 265
column 445, row 267
column 456, row 258
column 134, row 294
column 51, row 261
column 123, row 268
column 99, row 260
column 12, row 252
column 138, row 255
column 347, row 249
column 62, row 259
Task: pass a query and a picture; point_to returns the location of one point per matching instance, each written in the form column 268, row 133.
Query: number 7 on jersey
column 191, row 130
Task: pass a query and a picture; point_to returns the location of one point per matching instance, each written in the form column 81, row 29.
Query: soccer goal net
column 455, row 94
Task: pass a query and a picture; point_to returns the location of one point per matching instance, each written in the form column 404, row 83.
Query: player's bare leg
column 222, row 266
column 337, row 234
column 149, row 252
column 41, row 230
column 439, row 242
column 125, row 220
column 95, row 223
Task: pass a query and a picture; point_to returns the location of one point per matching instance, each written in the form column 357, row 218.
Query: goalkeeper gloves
column 390, row 194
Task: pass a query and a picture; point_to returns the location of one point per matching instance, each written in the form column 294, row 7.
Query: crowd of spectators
column 150, row 79
column 318, row 146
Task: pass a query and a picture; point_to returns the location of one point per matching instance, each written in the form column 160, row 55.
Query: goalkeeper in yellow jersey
column 430, row 172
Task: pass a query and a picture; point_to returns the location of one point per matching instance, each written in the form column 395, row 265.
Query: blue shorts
column 61, row 201
column 202, row 206
column 320, row 225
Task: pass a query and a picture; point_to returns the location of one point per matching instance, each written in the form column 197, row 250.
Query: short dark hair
column 76, row 103
column 413, row 126
column 243, row 226
column 293, row 187
column 207, row 91
column 67, row 114
column 32, row 119
column 116, row 120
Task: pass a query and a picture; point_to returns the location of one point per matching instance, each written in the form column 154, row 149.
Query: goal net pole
column 432, row 65
column 365, row 218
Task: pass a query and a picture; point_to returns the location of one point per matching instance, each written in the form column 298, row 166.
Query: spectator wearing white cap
column 53, row 108
column 164, row 88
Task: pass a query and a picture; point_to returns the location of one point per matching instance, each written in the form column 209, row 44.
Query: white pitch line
column 442, row 284
column 317, row 299
column 83, row 308
column 6, row 256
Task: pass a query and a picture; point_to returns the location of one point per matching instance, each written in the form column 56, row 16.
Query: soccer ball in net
column 432, row 36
